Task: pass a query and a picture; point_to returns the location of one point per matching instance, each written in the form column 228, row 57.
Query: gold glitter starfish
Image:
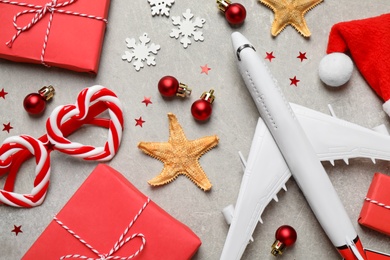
column 290, row 12
column 180, row 156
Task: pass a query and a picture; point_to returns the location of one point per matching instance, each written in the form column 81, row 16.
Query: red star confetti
column 7, row 127
column 205, row 69
column 139, row 121
column 302, row 56
column 49, row 146
column 3, row 93
column 294, row 81
column 269, row 56
column 147, row 101
column 17, row 230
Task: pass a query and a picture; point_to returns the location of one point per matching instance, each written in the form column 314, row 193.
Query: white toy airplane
column 292, row 140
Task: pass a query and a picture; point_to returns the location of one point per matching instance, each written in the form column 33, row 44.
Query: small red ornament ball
column 235, row 13
column 201, row 109
column 286, row 234
column 168, row 86
column 34, row 103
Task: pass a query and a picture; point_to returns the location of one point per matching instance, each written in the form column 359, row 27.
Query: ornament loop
column 47, row 92
column 223, row 4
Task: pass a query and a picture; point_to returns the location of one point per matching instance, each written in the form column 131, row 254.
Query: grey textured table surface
column 233, row 120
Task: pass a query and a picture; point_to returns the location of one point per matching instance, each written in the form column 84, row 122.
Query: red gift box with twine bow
column 375, row 213
column 108, row 218
column 61, row 33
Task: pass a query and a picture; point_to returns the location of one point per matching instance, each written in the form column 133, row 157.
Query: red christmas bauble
column 201, row 109
column 168, row 86
column 235, row 13
column 34, row 103
column 286, row 234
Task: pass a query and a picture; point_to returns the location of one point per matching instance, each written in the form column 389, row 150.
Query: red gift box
column 64, row 33
column 375, row 212
column 375, row 255
column 101, row 210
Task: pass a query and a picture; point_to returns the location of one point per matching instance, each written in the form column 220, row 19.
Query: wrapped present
column 375, row 212
column 62, row 33
column 108, row 218
column 375, row 255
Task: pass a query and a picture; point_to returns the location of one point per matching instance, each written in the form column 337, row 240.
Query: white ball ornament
column 335, row 69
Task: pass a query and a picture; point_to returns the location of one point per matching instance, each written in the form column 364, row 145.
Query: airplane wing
column 333, row 138
column 265, row 174
column 266, row 171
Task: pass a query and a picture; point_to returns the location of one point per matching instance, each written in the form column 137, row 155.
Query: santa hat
column 367, row 41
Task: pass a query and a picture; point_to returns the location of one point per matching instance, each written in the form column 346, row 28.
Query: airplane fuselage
column 295, row 147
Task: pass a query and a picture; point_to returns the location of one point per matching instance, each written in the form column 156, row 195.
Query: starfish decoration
column 7, row 127
column 290, row 12
column 3, row 93
column 294, row 81
column 17, row 230
column 147, row 101
column 180, row 156
column 205, row 69
column 139, row 121
column 269, row 56
column 302, row 56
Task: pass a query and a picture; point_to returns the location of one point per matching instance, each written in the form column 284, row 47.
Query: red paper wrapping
column 74, row 42
column 375, row 213
column 374, row 255
column 100, row 211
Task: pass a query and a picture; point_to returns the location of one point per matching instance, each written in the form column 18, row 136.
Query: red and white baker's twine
column 121, row 241
column 63, row 121
column 40, row 11
column 377, row 203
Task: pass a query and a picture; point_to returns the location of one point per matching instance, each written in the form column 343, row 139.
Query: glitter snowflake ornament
column 187, row 28
column 141, row 52
column 161, row 7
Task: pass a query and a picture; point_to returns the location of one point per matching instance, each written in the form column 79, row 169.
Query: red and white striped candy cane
column 13, row 145
column 63, row 121
column 79, row 112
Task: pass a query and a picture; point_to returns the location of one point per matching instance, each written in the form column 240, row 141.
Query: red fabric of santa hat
column 367, row 41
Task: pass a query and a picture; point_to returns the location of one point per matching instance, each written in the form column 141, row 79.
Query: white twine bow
column 40, row 11
column 121, row 241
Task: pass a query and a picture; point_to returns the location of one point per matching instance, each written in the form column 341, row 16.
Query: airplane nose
column 239, row 42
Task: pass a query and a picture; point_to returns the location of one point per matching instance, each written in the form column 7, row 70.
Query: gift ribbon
column 377, row 203
column 63, row 121
column 40, row 11
column 121, row 241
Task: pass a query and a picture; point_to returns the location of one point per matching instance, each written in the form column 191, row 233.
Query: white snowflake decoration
column 187, row 28
column 141, row 52
column 161, row 6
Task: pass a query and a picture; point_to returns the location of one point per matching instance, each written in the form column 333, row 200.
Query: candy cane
column 63, row 121
column 78, row 112
column 13, row 145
